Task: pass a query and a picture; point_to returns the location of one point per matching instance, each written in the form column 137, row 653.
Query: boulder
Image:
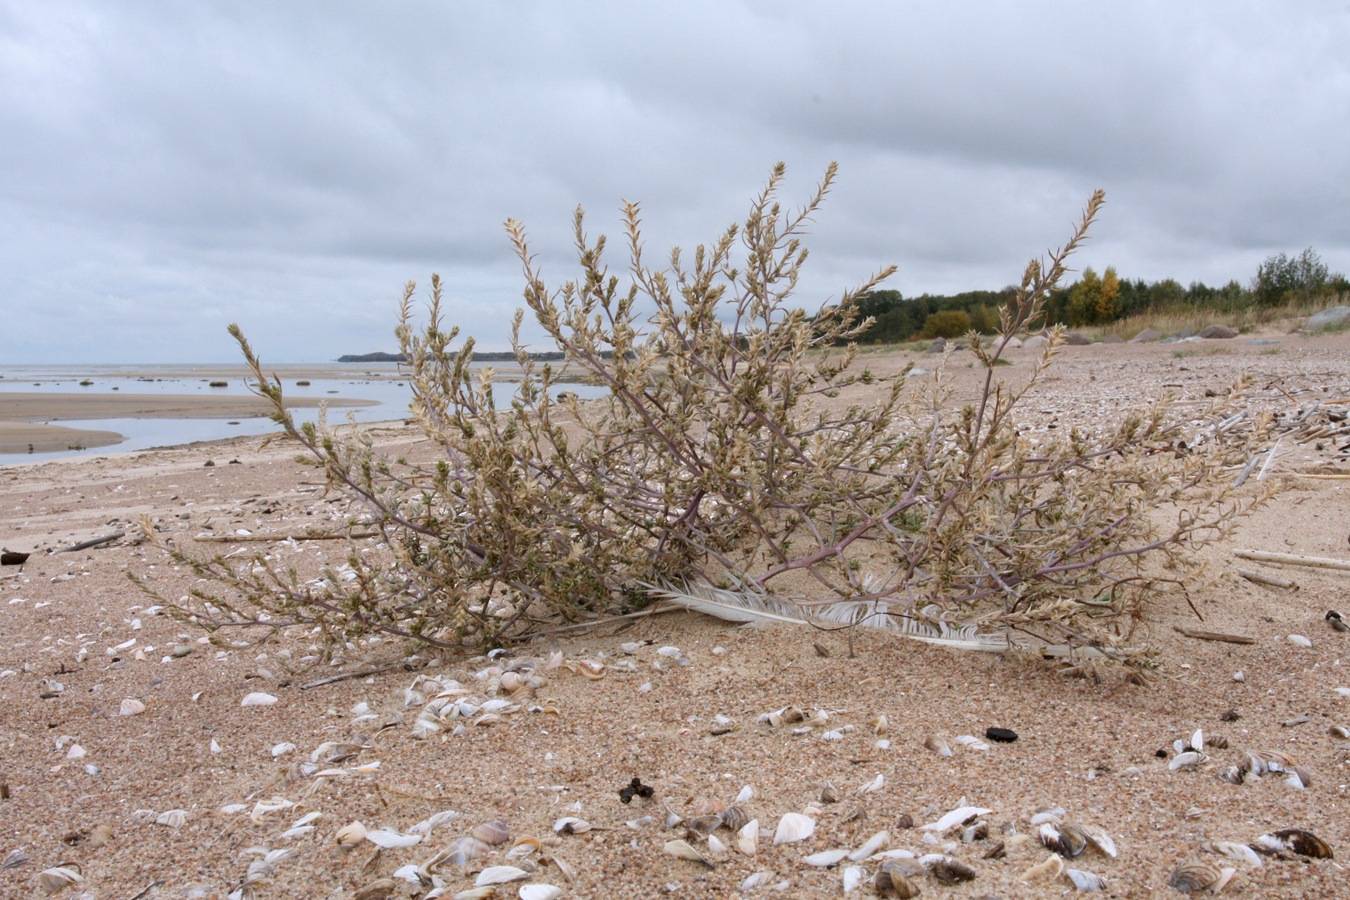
column 1335, row 317
column 1012, row 343
column 1218, row 332
column 1113, row 338
column 1035, row 342
column 938, row 345
column 1074, row 339
column 1146, row 336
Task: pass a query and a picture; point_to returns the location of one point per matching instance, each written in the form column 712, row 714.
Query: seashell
column 959, row 816
column 524, row 847
column 492, row 833
column 999, row 849
column 1233, row 775
column 1217, row 741
column 875, row 844
column 683, row 850
column 131, row 707
column 15, row 859
column 257, row 698
column 279, row 749
column 938, row 744
column 174, row 818
column 478, row 893
column 461, row 852
column 1195, row 875
column 1299, row 640
column 756, row 879
column 945, row 869
column 853, row 878
column 893, row 880
column 591, row 669
column 1052, row 814
column 1047, row 870
column 1339, row 731
column 1099, row 839
column 389, row 839
column 1234, row 851
column 743, row 796
column 501, row 875
column 58, row 878
column 540, row 892
column 379, row 889
column 350, row 835
column 826, row 858
column 703, row 824
column 734, row 818
column 1295, row 781
column 434, row 821
column 1066, row 840
column 1343, row 691
column 977, row 831
column 881, row 724
column 871, row 787
column 971, row 742
column 793, row 827
column 570, row 825
column 1085, row 881
column 715, row 844
column 1304, row 843
column 1186, row 760
column 747, row 838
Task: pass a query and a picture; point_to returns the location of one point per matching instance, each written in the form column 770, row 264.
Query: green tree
column 1283, row 279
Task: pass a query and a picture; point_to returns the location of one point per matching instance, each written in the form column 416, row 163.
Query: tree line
column 1281, row 280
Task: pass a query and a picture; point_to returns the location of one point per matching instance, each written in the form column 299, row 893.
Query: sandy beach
column 126, row 750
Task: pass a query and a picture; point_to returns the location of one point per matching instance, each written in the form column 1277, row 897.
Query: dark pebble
column 1002, row 735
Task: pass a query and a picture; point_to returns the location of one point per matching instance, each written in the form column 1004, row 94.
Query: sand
column 80, row 640
column 25, row 416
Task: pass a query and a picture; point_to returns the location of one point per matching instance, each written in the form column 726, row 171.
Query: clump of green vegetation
column 714, row 459
column 219, row 384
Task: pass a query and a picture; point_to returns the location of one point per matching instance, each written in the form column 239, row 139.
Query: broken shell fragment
column 257, row 698
column 58, row 878
column 734, row 818
column 1066, row 840
column 826, row 858
column 1234, row 851
column 492, row 833
column 938, row 744
column 351, row 835
column 853, row 878
column 571, row 825
column 174, row 818
column 959, row 816
column 794, row 827
column 747, row 839
column 946, row 869
column 1099, row 839
column 131, row 707
column 893, row 880
column 1186, row 760
column 684, row 850
column 1195, row 875
column 1085, row 881
column 540, row 892
column 1047, row 870
column 501, row 875
column 875, row 844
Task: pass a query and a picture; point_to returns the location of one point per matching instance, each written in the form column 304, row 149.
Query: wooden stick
column 1271, row 580
column 1215, row 636
column 1290, row 559
column 246, row 538
column 344, row 676
column 85, row 545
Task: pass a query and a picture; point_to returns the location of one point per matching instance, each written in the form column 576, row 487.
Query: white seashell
column 745, row 795
column 540, row 892
column 174, row 818
column 971, row 742
column 1194, row 875
column 478, row 893
column 1055, row 815
column 306, row 819
column 58, row 878
column 747, row 839
column 715, row 844
column 872, row 786
column 1085, row 881
column 826, row 858
column 279, row 749
column 1239, row 675
column 493, row 833
column 297, row 831
column 956, row 817
column 1299, row 640
column 881, row 724
column 1100, row 839
column 1186, row 760
column 1198, row 740
column 758, row 879
column 853, row 878
column 75, row 752
column 1234, row 851
column 131, row 707
column 938, row 744
column 231, row 808
column 571, row 825
column 875, row 844
column 350, row 835
column 1343, row 691
column 500, row 875
column 794, row 827
column 257, row 698
column 389, row 839
column 683, row 850
column 429, row 824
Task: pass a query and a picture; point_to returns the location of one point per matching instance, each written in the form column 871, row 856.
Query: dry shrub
column 719, row 457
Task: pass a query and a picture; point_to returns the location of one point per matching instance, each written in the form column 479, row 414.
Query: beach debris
column 853, row 878
column 1235, row 851
column 873, row 845
column 1048, row 869
column 59, row 878
column 501, row 875
column 681, row 849
column 946, row 869
column 1064, row 839
column 826, row 859
column 1084, row 881
column 1187, row 759
column 131, row 707
column 390, row 839
column 1299, row 640
column 938, row 744
column 894, row 879
column 1199, row 875
column 1295, row 840
column 1001, row 735
column 747, row 838
column 540, row 892
column 635, row 788
column 12, row 558
column 174, row 818
column 15, row 859
column 971, row 742
column 1336, row 621
column 794, row 827
column 350, row 835
column 257, row 698
column 962, row 815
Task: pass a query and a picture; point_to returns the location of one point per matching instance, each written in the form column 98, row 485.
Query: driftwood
column 246, row 538
column 1214, row 636
column 93, row 542
column 1271, row 580
column 1291, row 559
column 346, row 676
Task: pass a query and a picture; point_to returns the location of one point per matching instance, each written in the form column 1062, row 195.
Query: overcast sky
column 169, row 168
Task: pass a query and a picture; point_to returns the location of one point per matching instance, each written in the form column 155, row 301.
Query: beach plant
column 737, row 461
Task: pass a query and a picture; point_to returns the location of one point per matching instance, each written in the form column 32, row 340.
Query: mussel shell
column 1195, row 875
column 1065, row 839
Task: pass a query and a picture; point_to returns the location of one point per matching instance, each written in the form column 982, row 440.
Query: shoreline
column 27, row 417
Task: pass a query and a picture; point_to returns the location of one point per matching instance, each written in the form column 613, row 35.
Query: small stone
column 1001, row 735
